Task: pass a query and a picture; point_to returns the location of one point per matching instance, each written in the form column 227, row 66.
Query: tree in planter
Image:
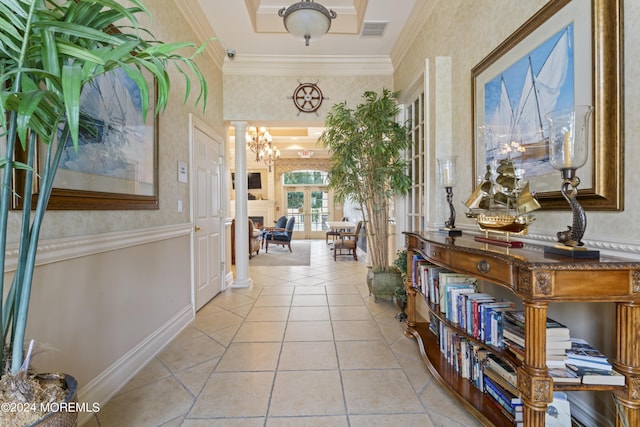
column 49, row 51
column 367, row 167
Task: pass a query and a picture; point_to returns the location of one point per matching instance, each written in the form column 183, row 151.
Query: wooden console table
column 537, row 280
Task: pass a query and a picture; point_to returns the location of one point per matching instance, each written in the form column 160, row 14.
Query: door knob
column 198, row 228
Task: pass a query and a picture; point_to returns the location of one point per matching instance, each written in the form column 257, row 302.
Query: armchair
column 255, row 239
column 281, row 237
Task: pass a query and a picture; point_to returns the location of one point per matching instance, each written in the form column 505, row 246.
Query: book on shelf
column 597, row 376
column 554, row 345
column 555, row 329
column 564, row 375
column 582, row 353
column 452, row 301
column 498, row 379
column 447, row 277
column 433, row 282
column 502, row 368
column 516, row 420
column 469, row 315
column 511, row 404
column 484, row 318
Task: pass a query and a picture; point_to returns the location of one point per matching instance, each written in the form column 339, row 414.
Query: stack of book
column 499, row 385
column 557, row 336
column 591, row 365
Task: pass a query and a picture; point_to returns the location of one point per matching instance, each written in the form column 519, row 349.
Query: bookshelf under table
column 537, row 280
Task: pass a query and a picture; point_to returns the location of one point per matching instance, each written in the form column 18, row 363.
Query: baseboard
column 107, row 384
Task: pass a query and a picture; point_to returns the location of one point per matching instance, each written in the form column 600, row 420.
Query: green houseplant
column 49, row 51
column 367, row 167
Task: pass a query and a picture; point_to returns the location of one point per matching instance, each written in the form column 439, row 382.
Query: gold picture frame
column 602, row 64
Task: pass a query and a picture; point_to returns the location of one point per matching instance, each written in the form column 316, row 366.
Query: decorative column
column 242, row 279
column 627, row 359
column 534, row 382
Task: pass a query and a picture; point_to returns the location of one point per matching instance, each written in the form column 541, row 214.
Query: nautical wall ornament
column 307, row 97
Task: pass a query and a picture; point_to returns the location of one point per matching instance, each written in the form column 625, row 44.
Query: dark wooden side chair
column 334, row 234
column 347, row 243
column 282, row 238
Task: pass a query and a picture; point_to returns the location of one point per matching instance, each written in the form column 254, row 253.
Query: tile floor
column 304, row 346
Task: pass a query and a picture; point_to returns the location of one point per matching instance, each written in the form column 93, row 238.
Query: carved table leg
column 411, row 296
column 628, row 359
column 534, row 383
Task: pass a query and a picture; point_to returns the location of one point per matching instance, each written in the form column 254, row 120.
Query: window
column 415, row 155
column 306, row 177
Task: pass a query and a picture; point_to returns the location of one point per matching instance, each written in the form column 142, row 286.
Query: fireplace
column 258, row 221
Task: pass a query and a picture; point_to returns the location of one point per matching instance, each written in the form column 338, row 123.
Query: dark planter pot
column 64, row 417
column 383, row 284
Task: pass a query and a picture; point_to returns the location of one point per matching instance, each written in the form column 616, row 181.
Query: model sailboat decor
column 502, row 205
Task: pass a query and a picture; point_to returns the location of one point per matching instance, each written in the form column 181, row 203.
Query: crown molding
column 196, row 19
column 321, row 65
column 412, row 27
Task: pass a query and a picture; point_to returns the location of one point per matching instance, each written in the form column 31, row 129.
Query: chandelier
column 307, row 19
column 260, row 142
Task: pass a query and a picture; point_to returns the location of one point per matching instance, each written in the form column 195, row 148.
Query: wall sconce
column 568, row 151
column 447, row 177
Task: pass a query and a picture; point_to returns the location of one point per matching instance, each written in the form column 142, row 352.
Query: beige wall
column 112, row 288
column 465, row 33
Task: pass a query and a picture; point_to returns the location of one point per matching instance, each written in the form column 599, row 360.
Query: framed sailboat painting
column 566, row 54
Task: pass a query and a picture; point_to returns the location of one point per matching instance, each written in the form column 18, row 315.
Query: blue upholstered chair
column 281, row 238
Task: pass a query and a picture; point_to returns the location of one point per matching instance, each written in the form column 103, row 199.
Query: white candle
column 447, row 176
column 567, row 149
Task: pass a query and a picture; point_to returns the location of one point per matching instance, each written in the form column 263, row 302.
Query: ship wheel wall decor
column 307, row 97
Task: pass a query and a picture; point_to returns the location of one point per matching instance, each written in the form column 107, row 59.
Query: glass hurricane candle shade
column 569, row 136
column 447, row 171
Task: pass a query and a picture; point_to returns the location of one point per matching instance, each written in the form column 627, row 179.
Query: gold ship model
column 501, row 205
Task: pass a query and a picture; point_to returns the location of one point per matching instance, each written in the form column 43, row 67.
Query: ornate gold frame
column 606, row 192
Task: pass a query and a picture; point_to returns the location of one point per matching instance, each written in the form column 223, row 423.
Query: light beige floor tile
column 195, row 378
column 179, row 355
column 309, row 331
column 224, row 336
column 215, row 321
column 395, row 420
column 345, row 299
column 225, row 422
column 296, row 393
column 341, row 290
column 350, row 313
column 438, row 401
column 300, row 356
column 350, row 330
column 234, row 394
column 260, row 332
column 365, row 355
column 309, row 301
column 308, row 313
column 150, row 405
column 310, row 290
column 379, row 392
column 278, row 290
column 152, row 372
column 310, row 280
column 250, row 356
column 333, row 421
column 277, row 314
column 273, row 301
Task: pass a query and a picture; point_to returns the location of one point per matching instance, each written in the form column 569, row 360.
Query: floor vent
column 373, row 29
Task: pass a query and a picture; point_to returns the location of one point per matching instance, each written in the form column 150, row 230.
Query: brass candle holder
column 568, row 151
column 447, row 176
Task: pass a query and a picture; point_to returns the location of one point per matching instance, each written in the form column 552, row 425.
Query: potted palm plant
column 49, row 51
column 367, row 167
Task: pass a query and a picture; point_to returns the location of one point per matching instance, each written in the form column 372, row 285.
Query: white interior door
column 208, row 240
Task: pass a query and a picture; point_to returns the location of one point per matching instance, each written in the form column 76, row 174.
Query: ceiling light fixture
column 307, row 19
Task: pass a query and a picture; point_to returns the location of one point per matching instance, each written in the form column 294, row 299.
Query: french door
column 310, row 206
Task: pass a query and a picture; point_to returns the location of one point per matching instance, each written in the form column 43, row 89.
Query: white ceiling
column 253, row 30
column 233, row 22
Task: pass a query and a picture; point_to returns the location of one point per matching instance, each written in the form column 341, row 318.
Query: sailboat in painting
column 522, row 123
